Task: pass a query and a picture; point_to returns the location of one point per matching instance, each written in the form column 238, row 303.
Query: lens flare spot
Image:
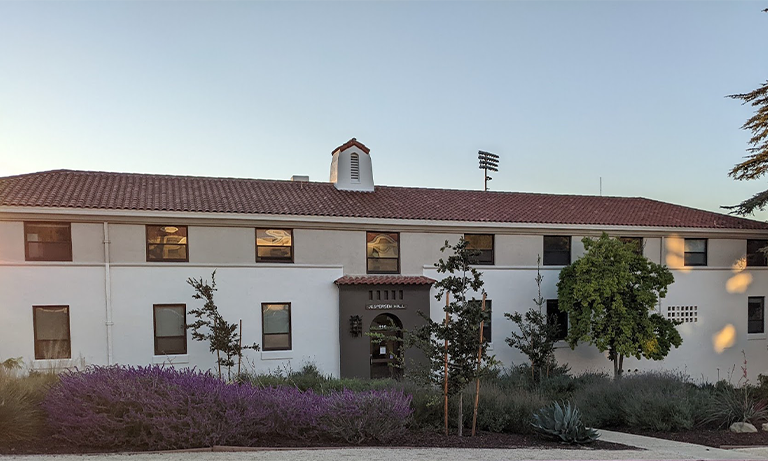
column 739, row 283
column 675, row 247
column 724, row 338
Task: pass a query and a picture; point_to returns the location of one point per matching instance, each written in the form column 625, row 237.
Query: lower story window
column 756, row 314
column 170, row 329
column 557, row 317
column 51, row 325
column 487, row 326
column 276, row 326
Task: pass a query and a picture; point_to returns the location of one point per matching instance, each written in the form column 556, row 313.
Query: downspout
column 661, row 263
column 108, row 295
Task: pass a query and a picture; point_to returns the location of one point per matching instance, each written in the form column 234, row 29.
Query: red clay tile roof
column 350, row 143
column 384, row 280
column 125, row 191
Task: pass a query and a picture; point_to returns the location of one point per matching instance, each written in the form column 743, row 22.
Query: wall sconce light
column 355, row 325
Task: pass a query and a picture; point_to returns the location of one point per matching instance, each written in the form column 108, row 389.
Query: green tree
column 537, row 337
column 223, row 337
column 462, row 330
column 756, row 163
column 610, row 294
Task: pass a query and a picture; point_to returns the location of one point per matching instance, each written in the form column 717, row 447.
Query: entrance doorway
column 384, row 352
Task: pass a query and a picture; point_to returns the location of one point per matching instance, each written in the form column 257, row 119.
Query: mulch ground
column 709, row 437
column 420, row 439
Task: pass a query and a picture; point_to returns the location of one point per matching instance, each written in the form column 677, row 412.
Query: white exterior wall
column 241, row 290
column 719, row 291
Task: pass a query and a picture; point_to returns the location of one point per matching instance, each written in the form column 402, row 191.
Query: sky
column 564, row 92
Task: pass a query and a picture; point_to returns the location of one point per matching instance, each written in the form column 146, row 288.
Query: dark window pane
column 557, row 251
column 695, row 259
column 695, row 245
column 482, row 244
column 265, row 253
column 756, row 315
column 487, row 325
column 755, row 257
column 48, row 241
column 557, row 317
column 171, row 345
column 277, row 342
column 51, row 326
column 382, row 265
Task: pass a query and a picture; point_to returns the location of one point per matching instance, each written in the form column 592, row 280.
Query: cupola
column 351, row 167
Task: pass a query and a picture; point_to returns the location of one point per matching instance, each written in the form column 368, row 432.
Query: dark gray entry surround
column 368, row 301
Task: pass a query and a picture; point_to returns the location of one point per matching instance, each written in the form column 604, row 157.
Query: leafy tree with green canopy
column 222, row 336
column 462, row 329
column 756, row 163
column 610, row 294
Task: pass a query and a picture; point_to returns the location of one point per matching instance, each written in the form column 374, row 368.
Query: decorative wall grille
column 683, row 313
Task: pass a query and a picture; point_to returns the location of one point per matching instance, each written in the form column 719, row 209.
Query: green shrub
column 503, row 410
column 660, row 401
column 730, row 405
column 310, row 378
column 563, row 423
column 21, row 417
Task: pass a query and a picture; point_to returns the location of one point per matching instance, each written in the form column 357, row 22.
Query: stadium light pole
column 488, row 161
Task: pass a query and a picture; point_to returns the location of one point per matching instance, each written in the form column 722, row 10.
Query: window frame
column 27, row 257
column 154, row 329
column 492, row 250
column 368, row 258
column 761, row 300
column 290, row 328
column 561, row 335
column 69, row 332
column 274, row 260
column 147, row 244
column 686, row 253
column 757, row 254
column 544, row 250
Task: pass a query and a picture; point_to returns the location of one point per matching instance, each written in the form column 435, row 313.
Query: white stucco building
column 93, row 266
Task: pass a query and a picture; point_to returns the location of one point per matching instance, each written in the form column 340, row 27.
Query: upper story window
column 383, row 252
column 557, row 250
column 167, row 243
column 47, row 241
column 755, row 257
column 557, row 317
column 170, row 329
column 695, row 252
column 276, row 326
column 483, row 244
column 51, row 325
column 274, row 245
column 635, row 242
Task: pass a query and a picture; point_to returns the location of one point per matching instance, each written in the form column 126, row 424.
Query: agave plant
column 563, row 423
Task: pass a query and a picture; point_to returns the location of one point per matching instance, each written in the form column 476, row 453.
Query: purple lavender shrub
column 358, row 417
column 155, row 408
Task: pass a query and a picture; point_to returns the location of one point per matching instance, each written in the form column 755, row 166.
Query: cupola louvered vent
column 354, row 169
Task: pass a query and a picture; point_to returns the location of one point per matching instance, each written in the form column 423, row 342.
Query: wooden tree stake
column 479, row 358
column 445, row 390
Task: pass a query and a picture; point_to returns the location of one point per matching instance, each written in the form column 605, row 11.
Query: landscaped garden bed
column 111, row 409
column 717, row 438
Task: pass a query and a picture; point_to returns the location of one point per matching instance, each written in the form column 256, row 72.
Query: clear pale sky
column 564, row 92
